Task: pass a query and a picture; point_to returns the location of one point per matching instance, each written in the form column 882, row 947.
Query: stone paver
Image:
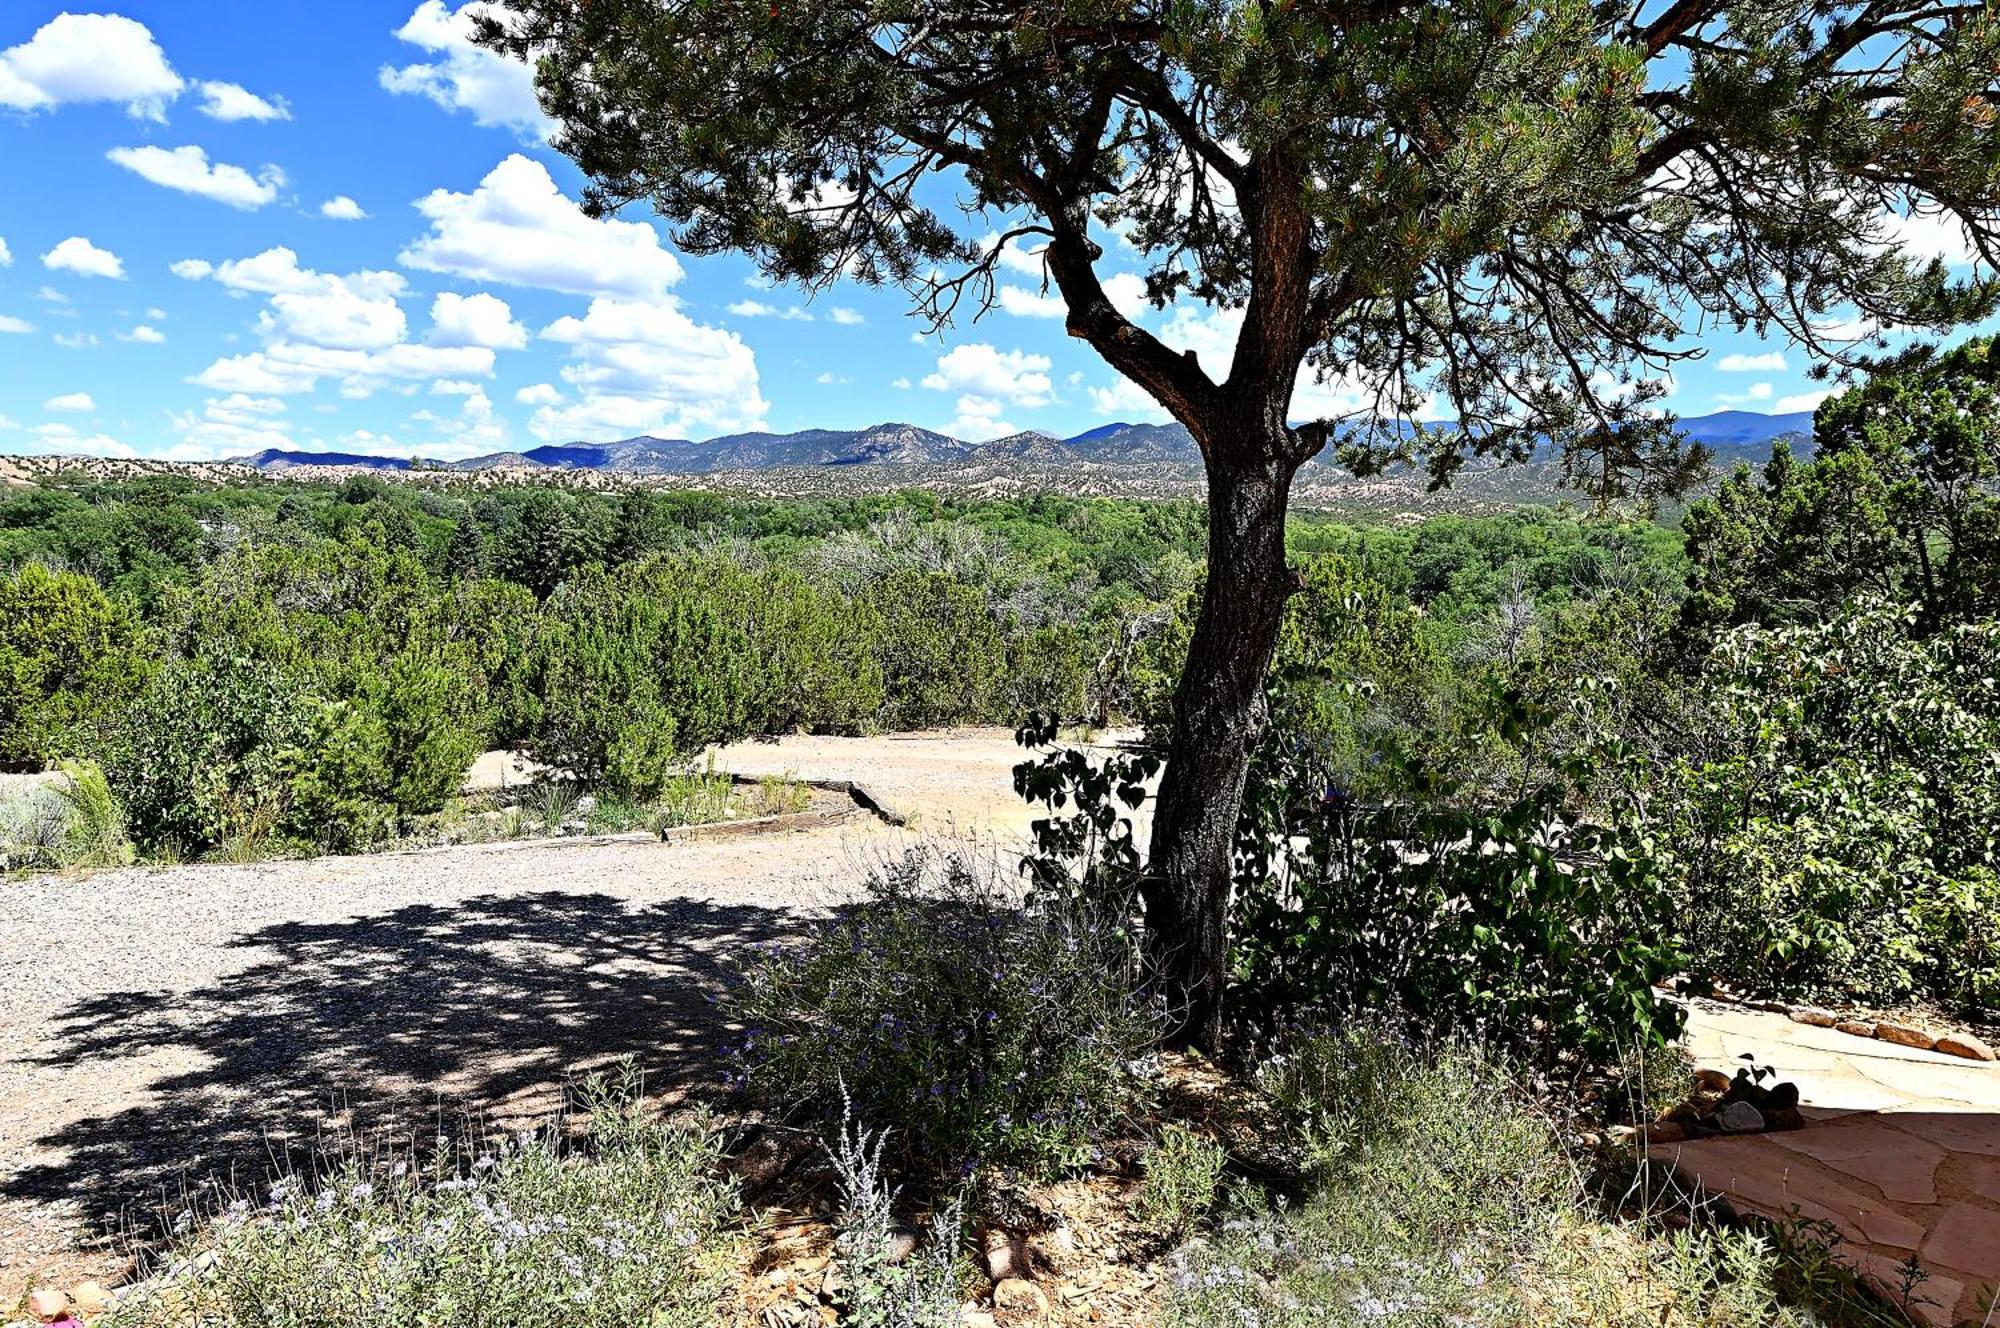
column 1900, row 1156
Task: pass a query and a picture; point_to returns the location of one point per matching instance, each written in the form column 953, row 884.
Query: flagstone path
column 1900, row 1154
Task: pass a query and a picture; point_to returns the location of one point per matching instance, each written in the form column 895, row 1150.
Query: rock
column 1005, row 1256
column 90, row 1298
column 902, row 1244
column 1739, row 1118
column 1785, row 1118
column 1782, row 1097
column 47, row 1304
column 1857, row 1027
column 1712, row 1081
column 1812, row 1014
column 1021, row 1301
column 1966, row 1045
column 1905, row 1036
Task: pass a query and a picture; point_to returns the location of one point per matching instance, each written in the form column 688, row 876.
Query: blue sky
column 236, row 224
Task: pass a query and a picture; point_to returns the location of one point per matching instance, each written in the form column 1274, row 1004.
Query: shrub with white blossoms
column 628, row 1224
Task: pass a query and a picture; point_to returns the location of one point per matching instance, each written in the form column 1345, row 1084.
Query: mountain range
column 1732, row 434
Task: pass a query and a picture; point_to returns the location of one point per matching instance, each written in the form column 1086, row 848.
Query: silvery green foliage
column 924, row 1289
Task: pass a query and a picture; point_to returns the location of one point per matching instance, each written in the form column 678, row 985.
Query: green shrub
column 1442, row 1196
column 1183, row 1176
column 941, row 653
column 979, row 1030
column 1836, row 829
column 693, row 797
column 208, row 750
column 882, row 1285
column 94, row 833
column 596, row 713
column 69, row 660
column 629, row 1225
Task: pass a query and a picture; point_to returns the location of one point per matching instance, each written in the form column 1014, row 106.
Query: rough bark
column 1219, row 717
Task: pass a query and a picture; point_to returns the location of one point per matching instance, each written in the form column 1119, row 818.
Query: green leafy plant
column 94, row 832
column 981, row 1030
column 1182, row 1180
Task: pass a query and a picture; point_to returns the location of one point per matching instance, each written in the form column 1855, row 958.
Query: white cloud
column 640, row 366
column 62, row 440
column 80, row 256
column 498, row 92
column 846, row 317
column 85, row 58
column 979, row 420
column 285, row 368
column 336, row 316
column 14, row 326
column 1802, row 401
column 230, row 426
column 144, row 334
column 1931, row 235
column 1755, row 392
column 475, row 320
column 342, row 208
column 759, row 309
column 189, row 170
column 191, row 269
column 988, row 372
column 1768, row 362
column 539, row 394
column 1126, row 400
column 6, row 255
column 518, row 228
column 831, row 379
column 71, row 402
column 1126, row 290
column 75, row 340
column 228, row 101
column 901, row 384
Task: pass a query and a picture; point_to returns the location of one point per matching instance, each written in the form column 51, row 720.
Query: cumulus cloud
column 758, row 309
column 145, row 334
column 986, row 371
column 231, row 426
column 1767, row 362
column 71, row 402
column 845, row 317
column 1931, row 235
column 518, row 228
column 475, row 320
column 10, row 325
column 342, row 208
column 189, row 170
column 643, row 366
column 191, row 269
column 89, row 58
column 1126, row 290
column 228, row 102
column 1801, row 401
column 538, row 394
column 1126, row 400
column 285, row 368
column 6, row 255
column 497, row 92
column 63, row 440
column 79, row 255
column 979, row 420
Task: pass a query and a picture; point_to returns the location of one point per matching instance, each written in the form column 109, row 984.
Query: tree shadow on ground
column 398, row 1022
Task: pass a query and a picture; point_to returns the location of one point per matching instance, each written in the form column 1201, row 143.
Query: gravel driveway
column 162, row 1024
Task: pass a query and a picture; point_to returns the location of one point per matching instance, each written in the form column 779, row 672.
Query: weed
column 1183, row 1174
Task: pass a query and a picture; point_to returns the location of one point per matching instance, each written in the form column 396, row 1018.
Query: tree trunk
column 1219, row 716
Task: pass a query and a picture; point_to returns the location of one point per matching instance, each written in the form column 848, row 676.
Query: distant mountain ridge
column 1732, row 434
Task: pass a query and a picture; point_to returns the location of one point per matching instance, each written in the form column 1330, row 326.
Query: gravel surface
column 163, row 1024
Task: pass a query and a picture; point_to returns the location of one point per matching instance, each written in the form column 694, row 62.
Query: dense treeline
column 319, row 662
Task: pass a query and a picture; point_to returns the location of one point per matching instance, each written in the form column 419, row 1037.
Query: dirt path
column 161, row 1023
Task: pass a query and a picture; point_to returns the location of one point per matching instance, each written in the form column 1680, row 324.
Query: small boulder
column 1905, row 1036
column 1712, row 1081
column 1858, row 1027
column 48, row 1304
column 1005, row 1255
column 1019, row 1301
column 90, row 1298
column 1966, row 1045
column 1739, row 1118
column 1785, row 1118
column 1812, row 1014
column 1781, row 1097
